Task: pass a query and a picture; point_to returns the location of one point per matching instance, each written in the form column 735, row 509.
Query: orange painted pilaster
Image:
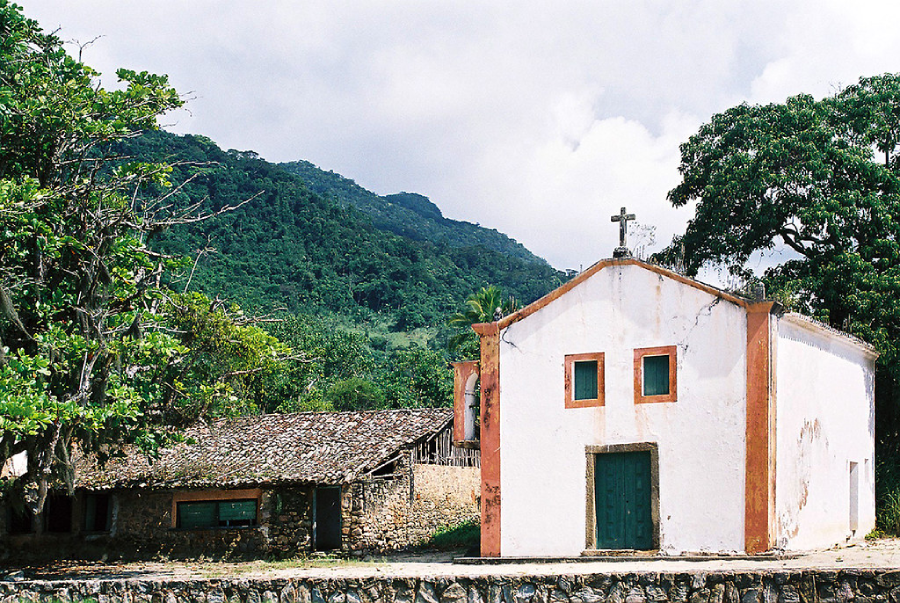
column 462, row 371
column 759, row 509
column 490, row 438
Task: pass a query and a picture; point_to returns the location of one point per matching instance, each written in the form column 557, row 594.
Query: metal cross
column 622, row 218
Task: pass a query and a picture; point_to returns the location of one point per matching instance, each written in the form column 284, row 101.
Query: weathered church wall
column 700, row 437
column 825, row 422
column 806, row 586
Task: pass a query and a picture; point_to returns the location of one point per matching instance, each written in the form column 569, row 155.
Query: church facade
column 636, row 409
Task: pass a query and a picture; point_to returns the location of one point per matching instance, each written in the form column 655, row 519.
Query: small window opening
column 854, row 497
column 656, row 374
column 584, row 380
column 466, row 404
column 97, row 512
column 58, row 513
column 386, row 471
column 20, row 521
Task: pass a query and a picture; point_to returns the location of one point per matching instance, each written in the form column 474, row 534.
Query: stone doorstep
column 624, row 555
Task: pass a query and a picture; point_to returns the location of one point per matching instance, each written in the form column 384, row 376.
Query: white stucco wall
column 825, row 420
column 700, row 437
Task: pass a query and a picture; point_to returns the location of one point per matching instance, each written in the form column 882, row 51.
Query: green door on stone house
column 622, row 500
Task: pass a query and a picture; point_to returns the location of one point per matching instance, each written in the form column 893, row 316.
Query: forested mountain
column 291, row 248
column 407, row 214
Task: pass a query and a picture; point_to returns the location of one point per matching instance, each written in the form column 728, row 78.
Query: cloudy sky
column 539, row 119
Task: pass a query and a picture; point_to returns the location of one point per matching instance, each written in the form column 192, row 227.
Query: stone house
column 634, row 408
column 270, row 485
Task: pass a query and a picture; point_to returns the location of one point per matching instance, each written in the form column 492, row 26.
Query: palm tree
column 485, row 305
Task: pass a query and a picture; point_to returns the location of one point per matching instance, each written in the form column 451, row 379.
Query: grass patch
column 462, row 535
column 887, row 498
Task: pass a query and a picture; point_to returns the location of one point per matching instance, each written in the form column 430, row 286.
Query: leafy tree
column 482, row 306
column 416, row 377
column 354, row 394
column 819, row 176
column 228, row 364
column 336, row 369
column 91, row 356
column 823, row 178
column 324, row 356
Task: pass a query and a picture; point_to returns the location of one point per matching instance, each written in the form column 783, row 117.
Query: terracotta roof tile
column 324, row 448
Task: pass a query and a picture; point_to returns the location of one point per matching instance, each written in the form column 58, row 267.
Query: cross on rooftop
column 622, row 218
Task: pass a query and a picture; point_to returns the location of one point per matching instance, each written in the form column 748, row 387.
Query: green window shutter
column 197, row 515
column 586, row 380
column 656, row 375
column 237, row 513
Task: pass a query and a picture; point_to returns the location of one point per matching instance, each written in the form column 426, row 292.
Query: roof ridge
column 607, row 263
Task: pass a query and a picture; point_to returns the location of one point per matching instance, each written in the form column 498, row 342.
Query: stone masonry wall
column 789, row 586
column 378, row 514
column 392, row 514
column 289, row 520
column 142, row 529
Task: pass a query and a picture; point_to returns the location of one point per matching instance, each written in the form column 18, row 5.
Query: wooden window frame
column 667, row 350
column 570, row 360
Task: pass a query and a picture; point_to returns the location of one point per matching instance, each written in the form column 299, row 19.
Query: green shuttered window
column 216, row 514
column 586, row 380
column 237, row 513
column 196, row 515
column 656, row 375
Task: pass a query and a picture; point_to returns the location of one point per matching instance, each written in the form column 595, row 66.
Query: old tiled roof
column 323, row 448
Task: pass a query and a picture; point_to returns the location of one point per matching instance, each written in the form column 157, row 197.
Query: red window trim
column 570, row 361
column 667, row 350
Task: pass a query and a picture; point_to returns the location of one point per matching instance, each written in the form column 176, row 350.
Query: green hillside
column 294, row 250
column 407, row 214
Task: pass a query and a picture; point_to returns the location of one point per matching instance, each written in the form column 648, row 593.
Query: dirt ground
column 876, row 554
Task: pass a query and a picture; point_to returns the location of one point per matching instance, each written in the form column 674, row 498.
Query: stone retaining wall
column 795, row 586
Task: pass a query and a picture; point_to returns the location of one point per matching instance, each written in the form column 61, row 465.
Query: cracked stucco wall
column 701, row 436
column 825, row 420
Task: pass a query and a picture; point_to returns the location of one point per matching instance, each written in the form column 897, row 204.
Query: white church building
column 636, row 409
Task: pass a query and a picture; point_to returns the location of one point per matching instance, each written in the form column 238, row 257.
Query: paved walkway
column 883, row 554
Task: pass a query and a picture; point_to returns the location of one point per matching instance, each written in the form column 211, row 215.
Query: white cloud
column 540, row 119
column 828, row 45
column 562, row 192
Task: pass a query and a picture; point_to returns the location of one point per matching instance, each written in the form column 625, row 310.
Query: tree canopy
column 821, row 177
column 485, row 305
column 95, row 353
column 296, row 249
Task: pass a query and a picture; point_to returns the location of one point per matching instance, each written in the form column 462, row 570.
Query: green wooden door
column 622, row 500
